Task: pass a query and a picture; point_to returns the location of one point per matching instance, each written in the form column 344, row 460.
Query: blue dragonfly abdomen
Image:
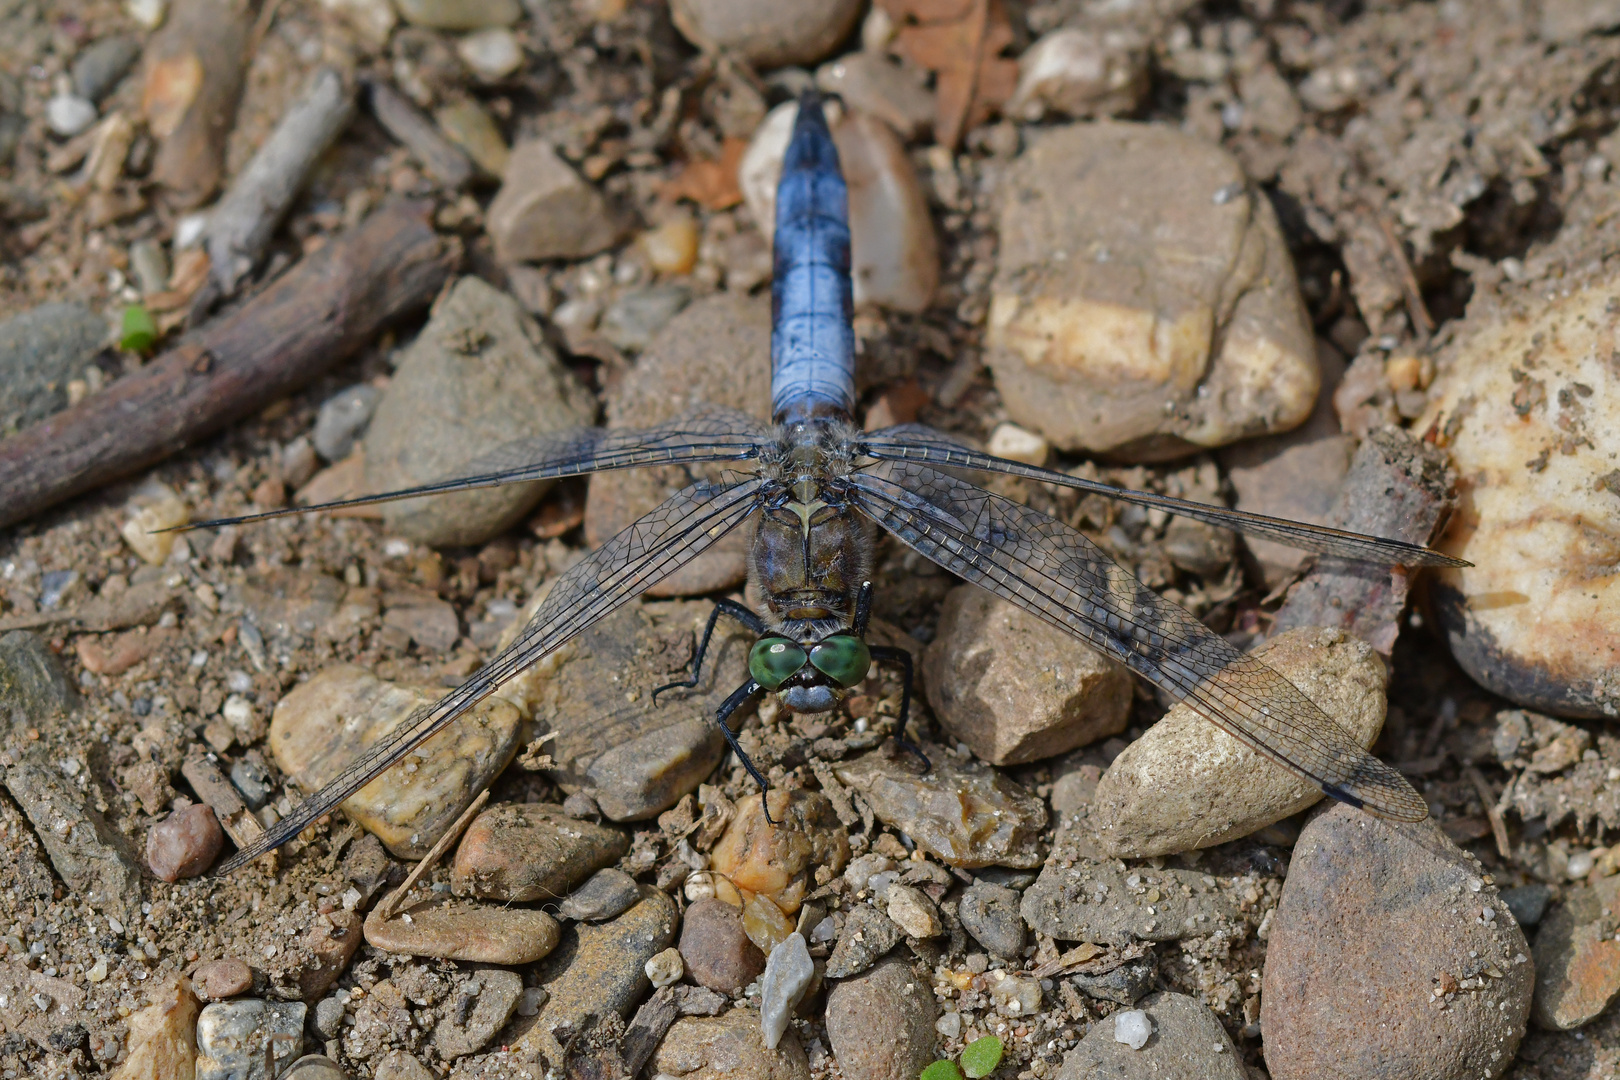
column 812, row 306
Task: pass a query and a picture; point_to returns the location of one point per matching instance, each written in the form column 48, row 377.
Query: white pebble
column 665, row 968
column 1133, row 1028
column 68, row 114
column 1580, row 864
column 492, row 54
column 949, row 1025
column 1018, row 444
column 189, row 231
column 149, row 13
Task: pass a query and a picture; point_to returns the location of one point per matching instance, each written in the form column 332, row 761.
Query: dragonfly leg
column 722, row 716
column 902, row 659
column 721, row 607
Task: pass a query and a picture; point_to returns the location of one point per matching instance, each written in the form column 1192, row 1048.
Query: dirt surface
column 1420, row 156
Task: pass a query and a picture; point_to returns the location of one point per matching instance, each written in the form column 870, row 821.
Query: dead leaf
column 710, row 184
column 961, row 42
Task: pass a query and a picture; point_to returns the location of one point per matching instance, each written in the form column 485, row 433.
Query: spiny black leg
column 721, row 607
column 902, row 659
column 863, row 608
column 740, row 697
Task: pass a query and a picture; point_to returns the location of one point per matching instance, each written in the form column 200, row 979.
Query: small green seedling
column 979, row 1058
column 140, row 330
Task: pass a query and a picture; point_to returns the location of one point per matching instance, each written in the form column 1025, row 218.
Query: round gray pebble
column 990, row 913
column 342, row 419
column 329, row 1017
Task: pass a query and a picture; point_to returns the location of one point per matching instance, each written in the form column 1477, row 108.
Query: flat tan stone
column 324, row 724
column 458, row 930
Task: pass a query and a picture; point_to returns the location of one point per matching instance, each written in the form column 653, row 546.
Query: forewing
column 706, row 433
column 917, row 443
column 657, row 543
column 1054, row 572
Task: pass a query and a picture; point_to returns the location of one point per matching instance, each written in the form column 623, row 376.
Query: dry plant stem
column 240, row 227
column 1493, row 812
column 443, row 159
column 316, row 315
column 1397, row 487
column 391, row 902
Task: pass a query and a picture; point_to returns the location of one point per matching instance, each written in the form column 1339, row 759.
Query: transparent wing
column 647, row 550
column 706, row 433
column 1054, row 572
column 915, row 442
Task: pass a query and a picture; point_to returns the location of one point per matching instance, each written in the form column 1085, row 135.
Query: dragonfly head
column 813, row 679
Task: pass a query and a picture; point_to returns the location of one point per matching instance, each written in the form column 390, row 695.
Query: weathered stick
column 1397, row 487
column 241, row 225
column 443, row 159
column 195, row 66
column 317, row 314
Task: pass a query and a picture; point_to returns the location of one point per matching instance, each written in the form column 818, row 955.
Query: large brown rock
column 881, row 1023
column 1388, row 956
column 715, row 351
column 1145, row 303
column 1187, row 784
column 1527, row 403
column 1017, row 689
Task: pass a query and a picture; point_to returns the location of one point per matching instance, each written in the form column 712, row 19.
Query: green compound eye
column 773, row 660
column 843, row 658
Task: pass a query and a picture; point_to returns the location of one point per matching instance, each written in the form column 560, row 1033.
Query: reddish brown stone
column 1381, row 960
column 532, row 851
column 716, row 950
column 217, row 979
column 185, row 843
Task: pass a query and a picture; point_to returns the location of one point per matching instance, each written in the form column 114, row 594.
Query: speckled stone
column 1577, row 957
column 248, row 1039
column 325, row 723
column 1101, row 903
column 1404, row 910
column 727, row 1047
column 881, row 1023
column 714, row 948
column 1187, row 1043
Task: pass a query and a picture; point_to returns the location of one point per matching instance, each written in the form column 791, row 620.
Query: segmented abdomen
column 812, row 338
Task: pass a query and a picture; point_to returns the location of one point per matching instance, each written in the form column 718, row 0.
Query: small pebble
column 68, row 114
column 881, row 1023
column 767, row 33
column 990, row 913
column 478, row 933
column 531, row 851
column 329, row 1017
column 148, row 13
column 665, row 968
column 248, row 1039
column 727, row 1047
column 788, row 974
column 460, row 14
column 150, row 266
column 1015, row 995
column 1133, row 1028
column 342, row 419
column 672, row 247
column 220, row 979
column 97, row 70
column 154, row 508
column 913, row 912
column 492, row 54
column 483, row 1005
column 184, row 844
column 1528, row 903
column 715, row 949
column 546, row 210
column 867, row 937
column 314, row 1067
column 607, row 894
column 162, row 1040
column 1082, row 72
column 779, row 861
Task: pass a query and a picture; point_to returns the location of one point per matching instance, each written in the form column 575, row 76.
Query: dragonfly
column 814, row 491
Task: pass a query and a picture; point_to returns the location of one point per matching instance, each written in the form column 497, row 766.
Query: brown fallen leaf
column 961, row 42
column 710, row 184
